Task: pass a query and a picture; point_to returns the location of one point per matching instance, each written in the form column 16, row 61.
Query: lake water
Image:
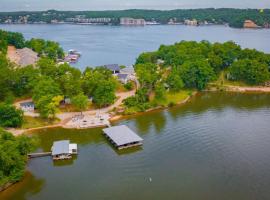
column 117, row 44
column 214, row 147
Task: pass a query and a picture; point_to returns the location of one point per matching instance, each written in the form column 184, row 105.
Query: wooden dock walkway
column 41, row 154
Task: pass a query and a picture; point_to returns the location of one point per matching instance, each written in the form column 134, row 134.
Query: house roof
column 128, row 70
column 122, row 76
column 27, row 104
column 122, row 135
column 27, row 56
column 112, row 67
column 60, row 147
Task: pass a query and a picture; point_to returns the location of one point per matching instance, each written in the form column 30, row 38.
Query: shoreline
column 119, row 117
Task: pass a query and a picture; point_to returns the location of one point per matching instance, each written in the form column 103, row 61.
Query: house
column 193, row 22
column 27, row 106
column 22, row 57
column 123, row 78
column 250, row 24
column 63, row 150
column 132, row 22
column 122, row 137
column 114, row 68
column 128, row 70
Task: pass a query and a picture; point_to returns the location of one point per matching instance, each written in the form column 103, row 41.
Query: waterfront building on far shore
column 193, row 22
column 250, row 24
column 132, row 22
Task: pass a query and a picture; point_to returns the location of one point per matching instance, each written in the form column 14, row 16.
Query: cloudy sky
column 15, row 5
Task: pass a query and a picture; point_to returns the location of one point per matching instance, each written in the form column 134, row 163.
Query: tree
column 47, row 96
column 13, row 156
column 80, row 102
column 45, row 86
column 10, row 116
column 104, row 94
column 250, row 71
column 196, row 74
column 147, row 74
column 174, row 81
column 160, row 91
column 48, row 105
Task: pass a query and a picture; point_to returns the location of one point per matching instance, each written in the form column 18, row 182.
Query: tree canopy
column 13, row 156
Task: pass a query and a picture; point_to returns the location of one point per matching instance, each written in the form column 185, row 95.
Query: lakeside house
column 127, row 21
column 114, row 68
column 62, row 150
column 250, row 24
column 128, row 70
column 122, row 137
column 123, row 78
column 193, row 22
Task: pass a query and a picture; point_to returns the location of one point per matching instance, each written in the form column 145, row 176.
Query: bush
column 10, row 116
column 128, row 86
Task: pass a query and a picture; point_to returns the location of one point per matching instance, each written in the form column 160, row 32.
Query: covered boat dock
column 62, row 150
column 122, row 137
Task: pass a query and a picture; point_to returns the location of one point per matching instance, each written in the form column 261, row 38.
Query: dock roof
column 60, row 147
column 122, row 135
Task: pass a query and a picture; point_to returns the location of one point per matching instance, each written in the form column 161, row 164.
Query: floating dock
column 122, row 137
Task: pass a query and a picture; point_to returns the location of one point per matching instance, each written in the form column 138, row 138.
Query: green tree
column 251, row 71
column 174, row 81
column 147, row 74
column 196, row 74
column 13, row 156
column 10, row 116
column 80, row 102
column 160, row 91
column 104, row 94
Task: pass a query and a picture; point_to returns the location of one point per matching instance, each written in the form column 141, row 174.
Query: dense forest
column 233, row 17
column 190, row 65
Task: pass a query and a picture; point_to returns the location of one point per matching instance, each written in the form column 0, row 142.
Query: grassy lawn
column 34, row 122
column 173, row 98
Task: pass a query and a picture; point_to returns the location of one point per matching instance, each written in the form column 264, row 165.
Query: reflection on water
column 214, row 147
column 29, row 186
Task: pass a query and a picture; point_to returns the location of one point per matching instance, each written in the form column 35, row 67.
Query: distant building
column 193, row 22
column 267, row 25
column 132, row 22
column 250, row 24
column 103, row 20
column 114, row 68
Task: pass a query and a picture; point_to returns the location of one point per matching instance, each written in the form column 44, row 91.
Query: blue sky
column 14, row 5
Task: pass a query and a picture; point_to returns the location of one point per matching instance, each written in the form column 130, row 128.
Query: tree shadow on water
column 27, row 187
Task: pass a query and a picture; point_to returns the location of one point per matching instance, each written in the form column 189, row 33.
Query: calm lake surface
column 214, row 147
column 117, row 44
